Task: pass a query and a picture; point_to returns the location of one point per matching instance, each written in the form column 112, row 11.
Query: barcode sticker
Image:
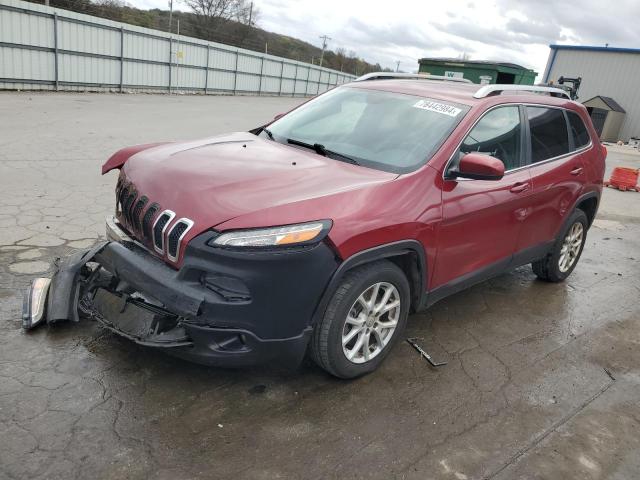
column 437, row 107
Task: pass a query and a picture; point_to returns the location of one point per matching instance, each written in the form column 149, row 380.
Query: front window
column 384, row 130
column 498, row 134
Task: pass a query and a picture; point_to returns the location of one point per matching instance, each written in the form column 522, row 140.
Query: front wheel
column 564, row 256
column 365, row 317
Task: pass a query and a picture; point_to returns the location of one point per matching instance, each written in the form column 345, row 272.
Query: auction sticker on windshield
column 437, row 107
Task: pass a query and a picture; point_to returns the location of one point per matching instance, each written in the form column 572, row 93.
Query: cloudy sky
column 516, row 31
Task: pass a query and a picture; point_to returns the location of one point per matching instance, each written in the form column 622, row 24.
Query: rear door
column 557, row 142
column 482, row 218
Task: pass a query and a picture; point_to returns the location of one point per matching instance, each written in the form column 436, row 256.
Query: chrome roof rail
column 488, row 90
column 409, row 76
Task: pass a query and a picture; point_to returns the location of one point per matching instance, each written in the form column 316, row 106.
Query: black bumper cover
column 223, row 307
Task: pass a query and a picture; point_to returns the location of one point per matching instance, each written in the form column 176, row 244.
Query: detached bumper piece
column 223, row 307
column 34, row 303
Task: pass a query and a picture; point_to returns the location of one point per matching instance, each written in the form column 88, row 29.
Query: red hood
column 213, row 180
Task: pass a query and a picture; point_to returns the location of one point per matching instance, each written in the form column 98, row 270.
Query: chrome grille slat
column 146, row 222
column 136, row 216
column 159, row 229
column 128, row 205
column 175, row 236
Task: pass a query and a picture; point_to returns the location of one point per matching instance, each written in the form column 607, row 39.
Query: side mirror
column 479, row 167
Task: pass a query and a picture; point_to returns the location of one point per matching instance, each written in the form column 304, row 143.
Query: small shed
column 607, row 116
column 478, row 71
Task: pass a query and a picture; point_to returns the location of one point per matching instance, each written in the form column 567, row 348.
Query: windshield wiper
column 321, row 150
column 268, row 132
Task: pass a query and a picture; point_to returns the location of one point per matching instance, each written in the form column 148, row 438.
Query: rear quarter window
column 578, row 130
column 549, row 135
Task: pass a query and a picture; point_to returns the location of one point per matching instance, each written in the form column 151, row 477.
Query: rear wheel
column 564, row 256
column 365, row 317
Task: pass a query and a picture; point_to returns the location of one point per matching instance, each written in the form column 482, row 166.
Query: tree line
column 231, row 22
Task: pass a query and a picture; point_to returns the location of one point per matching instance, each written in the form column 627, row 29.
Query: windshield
column 384, row 130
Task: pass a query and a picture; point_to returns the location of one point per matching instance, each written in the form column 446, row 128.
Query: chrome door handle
column 519, row 187
column 576, row 171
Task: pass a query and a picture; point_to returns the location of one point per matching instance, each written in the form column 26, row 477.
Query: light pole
column 397, row 65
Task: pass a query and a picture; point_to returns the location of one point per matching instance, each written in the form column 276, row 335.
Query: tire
column 556, row 268
column 358, row 286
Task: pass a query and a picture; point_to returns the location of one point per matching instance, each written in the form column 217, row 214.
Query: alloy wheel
column 371, row 322
column 571, row 247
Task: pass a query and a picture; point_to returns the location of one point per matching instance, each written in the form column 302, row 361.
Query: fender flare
column 380, row 252
column 580, row 199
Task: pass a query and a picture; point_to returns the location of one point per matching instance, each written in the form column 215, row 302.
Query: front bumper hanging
column 222, row 307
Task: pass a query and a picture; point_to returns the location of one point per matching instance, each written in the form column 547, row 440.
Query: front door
column 482, row 218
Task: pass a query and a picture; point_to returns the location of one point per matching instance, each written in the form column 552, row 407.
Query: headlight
column 300, row 234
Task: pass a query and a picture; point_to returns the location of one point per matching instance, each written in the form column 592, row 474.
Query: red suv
column 323, row 230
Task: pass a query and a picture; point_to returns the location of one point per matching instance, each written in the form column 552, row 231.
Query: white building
column 606, row 72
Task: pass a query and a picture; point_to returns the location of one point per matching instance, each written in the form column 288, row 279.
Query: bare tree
column 214, row 9
column 341, row 56
column 247, row 13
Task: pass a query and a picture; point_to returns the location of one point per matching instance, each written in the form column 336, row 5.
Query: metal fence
column 53, row 49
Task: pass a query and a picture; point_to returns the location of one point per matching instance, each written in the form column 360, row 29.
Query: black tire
column 548, row 268
column 326, row 341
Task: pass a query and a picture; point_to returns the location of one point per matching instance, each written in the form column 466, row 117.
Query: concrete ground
column 542, row 380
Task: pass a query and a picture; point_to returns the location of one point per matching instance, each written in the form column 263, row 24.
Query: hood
column 213, row 180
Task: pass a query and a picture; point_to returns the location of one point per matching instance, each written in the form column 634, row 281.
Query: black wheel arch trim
column 581, row 198
column 380, row 252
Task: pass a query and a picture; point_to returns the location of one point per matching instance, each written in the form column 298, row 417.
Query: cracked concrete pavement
column 542, row 381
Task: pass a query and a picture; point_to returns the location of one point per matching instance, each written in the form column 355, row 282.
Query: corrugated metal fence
column 53, row 49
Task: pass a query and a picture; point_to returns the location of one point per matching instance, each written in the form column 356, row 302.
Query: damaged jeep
column 321, row 231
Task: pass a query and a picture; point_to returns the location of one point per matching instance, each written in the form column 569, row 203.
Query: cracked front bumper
column 222, row 307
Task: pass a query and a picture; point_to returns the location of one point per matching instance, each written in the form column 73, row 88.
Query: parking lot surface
column 542, row 380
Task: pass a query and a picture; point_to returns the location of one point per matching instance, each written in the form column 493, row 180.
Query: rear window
column 578, row 130
column 549, row 135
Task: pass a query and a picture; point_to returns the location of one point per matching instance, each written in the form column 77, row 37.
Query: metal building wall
column 609, row 73
column 43, row 48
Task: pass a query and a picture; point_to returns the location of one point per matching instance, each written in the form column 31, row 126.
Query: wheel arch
column 408, row 255
column 588, row 203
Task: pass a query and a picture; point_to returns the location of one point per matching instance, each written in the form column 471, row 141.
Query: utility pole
column 250, row 12
column 397, row 65
column 170, row 13
column 324, row 46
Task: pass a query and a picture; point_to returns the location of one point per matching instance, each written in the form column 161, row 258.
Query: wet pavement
column 542, row 380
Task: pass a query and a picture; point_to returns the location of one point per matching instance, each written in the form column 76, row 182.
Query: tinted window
column 578, row 130
column 384, row 130
column 549, row 136
column 496, row 134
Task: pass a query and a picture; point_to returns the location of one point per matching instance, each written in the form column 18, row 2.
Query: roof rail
column 488, row 90
column 409, row 76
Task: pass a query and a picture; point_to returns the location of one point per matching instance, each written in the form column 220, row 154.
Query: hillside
column 220, row 30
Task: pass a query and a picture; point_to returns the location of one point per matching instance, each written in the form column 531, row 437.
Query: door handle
column 520, row 187
column 576, row 171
